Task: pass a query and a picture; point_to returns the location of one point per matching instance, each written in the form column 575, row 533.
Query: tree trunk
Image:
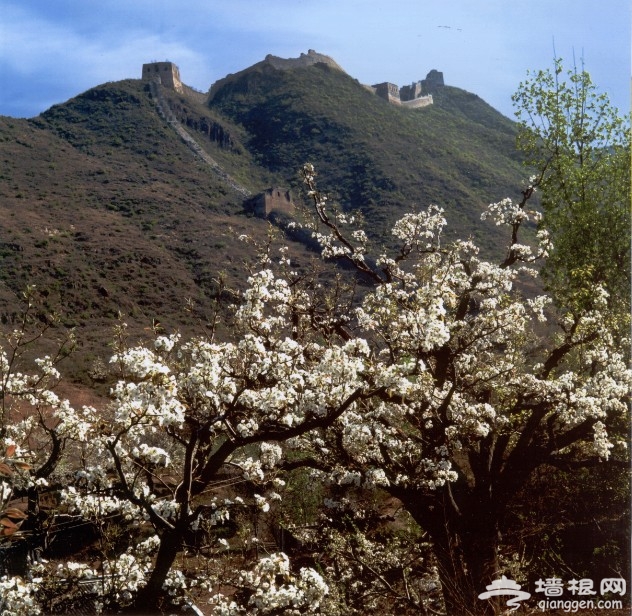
column 465, row 547
column 149, row 600
column 480, row 552
column 459, row 593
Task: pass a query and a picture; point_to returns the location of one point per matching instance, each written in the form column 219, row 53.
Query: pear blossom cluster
column 421, row 230
column 272, row 588
column 371, row 574
column 18, row 597
column 112, row 585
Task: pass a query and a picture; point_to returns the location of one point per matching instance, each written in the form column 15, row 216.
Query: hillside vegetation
column 381, row 158
column 106, row 210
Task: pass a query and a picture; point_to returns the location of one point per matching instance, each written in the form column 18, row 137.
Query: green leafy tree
column 579, row 147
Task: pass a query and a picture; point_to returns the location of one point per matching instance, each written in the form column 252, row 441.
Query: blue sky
column 52, row 50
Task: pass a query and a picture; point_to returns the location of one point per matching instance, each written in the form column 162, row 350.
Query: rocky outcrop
column 205, row 127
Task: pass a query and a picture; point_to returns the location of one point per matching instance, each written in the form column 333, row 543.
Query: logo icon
column 504, row 586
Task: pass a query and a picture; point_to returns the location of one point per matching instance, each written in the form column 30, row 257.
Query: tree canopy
column 579, row 148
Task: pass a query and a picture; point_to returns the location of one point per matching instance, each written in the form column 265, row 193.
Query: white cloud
column 32, row 47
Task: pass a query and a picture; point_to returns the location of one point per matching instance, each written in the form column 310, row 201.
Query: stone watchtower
column 165, row 73
column 387, row 91
column 433, row 81
column 418, row 94
column 273, row 200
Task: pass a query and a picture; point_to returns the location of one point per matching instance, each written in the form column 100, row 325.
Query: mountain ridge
column 305, row 60
column 331, row 111
column 107, row 206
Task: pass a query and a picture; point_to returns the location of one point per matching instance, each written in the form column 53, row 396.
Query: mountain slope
column 381, row 158
column 107, row 209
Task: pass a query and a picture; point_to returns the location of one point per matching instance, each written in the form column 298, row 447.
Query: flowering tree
column 36, row 429
column 34, row 426
column 181, row 411
column 427, row 379
column 466, row 399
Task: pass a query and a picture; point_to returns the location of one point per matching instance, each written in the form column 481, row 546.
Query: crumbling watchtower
column 274, row 200
column 165, row 73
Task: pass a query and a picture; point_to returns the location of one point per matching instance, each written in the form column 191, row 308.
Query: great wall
column 416, row 95
column 166, row 75
column 413, row 96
